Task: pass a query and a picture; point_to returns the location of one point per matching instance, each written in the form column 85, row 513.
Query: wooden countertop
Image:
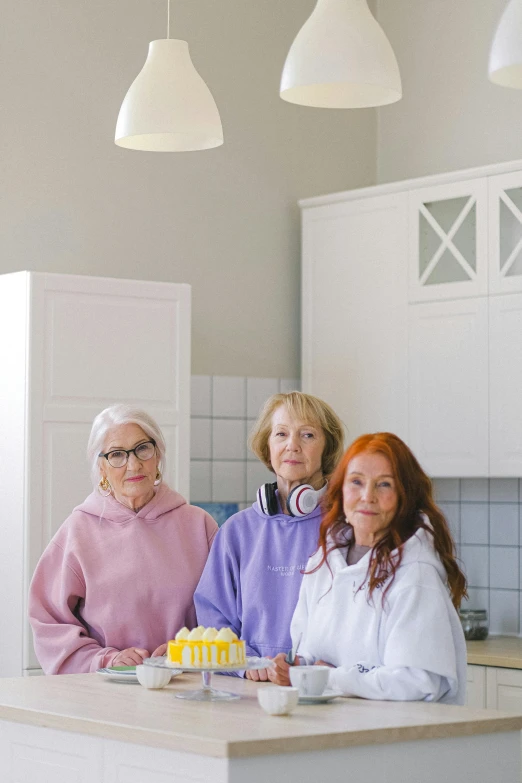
column 505, row 651
column 89, row 704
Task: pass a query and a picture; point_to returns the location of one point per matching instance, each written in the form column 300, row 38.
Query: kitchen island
column 84, row 728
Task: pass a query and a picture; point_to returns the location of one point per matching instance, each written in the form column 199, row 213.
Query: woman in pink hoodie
column 117, row 580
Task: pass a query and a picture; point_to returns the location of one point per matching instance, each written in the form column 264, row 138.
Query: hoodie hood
column 418, row 548
column 164, row 501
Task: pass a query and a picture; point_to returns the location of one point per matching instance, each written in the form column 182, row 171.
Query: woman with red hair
column 379, row 597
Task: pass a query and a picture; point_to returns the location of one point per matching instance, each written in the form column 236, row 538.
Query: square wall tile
column 478, row 598
column 446, row 489
column 504, row 612
column 503, row 524
column 200, row 438
column 452, row 513
column 503, row 567
column 228, row 396
column 289, row 384
column 503, row 490
column 474, row 489
column 257, row 475
column 249, row 427
column 200, row 395
column 228, row 482
column 258, row 391
column 475, row 561
column 200, row 483
column 228, row 439
column 474, row 523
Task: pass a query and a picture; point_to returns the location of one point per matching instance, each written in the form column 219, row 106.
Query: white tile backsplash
column 446, row 489
column 200, row 438
column 200, row 481
column 474, row 523
column 228, row 396
column 258, row 391
column 504, row 612
column 474, row 489
column 503, row 524
column 504, row 490
column 229, row 439
column 257, row 475
column 503, row 567
column 478, row 598
column 475, row 561
column 452, row 513
column 228, row 481
column 200, row 395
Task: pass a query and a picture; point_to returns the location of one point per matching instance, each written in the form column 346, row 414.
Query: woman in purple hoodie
column 118, row 578
column 253, row 574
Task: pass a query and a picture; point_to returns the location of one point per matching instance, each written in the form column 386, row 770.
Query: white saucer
column 126, row 675
column 323, row 698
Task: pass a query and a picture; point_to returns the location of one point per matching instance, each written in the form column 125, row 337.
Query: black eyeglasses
column 117, row 458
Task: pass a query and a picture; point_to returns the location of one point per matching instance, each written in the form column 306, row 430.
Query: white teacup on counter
column 277, row 700
column 311, row 680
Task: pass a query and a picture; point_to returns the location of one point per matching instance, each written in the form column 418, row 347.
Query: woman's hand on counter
column 279, row 674
column 161, row 650
column 259, row 675
column 131, row 656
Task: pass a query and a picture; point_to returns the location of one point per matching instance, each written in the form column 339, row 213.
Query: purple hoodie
column 253, row 574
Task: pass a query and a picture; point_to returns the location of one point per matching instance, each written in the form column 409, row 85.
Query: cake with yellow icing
column 205, row 647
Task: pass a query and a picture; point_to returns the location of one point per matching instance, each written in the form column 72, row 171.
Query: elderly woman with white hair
column 118, row 578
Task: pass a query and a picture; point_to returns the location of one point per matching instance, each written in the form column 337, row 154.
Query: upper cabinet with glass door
column 505, row 233
column 448, row 241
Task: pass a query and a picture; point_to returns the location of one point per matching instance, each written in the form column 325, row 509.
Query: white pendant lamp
column 505, row 58
column 168, row 107
column 341, row 59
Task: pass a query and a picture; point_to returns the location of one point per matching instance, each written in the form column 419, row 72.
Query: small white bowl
column 152, row 677
column 278, row 700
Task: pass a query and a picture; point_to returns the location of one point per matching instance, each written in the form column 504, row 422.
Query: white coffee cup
column 277, row 700
column 311, row 680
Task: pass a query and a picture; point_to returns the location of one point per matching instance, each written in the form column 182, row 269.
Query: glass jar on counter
column 475, row 624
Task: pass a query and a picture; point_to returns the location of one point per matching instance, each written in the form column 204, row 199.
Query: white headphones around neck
column 301, row 501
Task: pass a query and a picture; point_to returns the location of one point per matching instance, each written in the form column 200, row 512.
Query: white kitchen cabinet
column 504, row 689
column 505, row 232
column 448, row 241
column 505, row 378
column 476, row 686
column 354, row 327
column 448, row 368
column 71, row 346
column 377, row 265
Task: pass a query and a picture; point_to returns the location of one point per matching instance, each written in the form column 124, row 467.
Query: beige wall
column 451, row 116
column 224, row 220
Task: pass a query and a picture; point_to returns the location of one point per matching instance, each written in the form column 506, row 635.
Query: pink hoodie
column 112, row 579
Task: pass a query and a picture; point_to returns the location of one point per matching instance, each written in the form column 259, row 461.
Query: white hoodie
column 411, row 648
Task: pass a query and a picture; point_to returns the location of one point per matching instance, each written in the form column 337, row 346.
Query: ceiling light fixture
column 505, row 58
column 168, row 107
column 341, row 59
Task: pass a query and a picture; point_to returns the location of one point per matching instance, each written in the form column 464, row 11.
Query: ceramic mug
column 311, row 680
column 277, row 700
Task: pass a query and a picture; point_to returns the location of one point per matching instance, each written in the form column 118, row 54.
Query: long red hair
column 415, row 498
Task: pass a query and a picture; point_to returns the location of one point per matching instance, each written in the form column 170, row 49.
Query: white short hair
column 116, row 416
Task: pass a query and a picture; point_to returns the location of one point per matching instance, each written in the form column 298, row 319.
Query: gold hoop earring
column 158, row 477
column 104, row 488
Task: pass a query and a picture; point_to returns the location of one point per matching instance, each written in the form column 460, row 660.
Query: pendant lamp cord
column 168, row 19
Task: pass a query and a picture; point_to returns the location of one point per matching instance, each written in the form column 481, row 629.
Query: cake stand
column 207, row 692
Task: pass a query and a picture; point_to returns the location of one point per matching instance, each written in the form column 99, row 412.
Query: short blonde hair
column 309, row 409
